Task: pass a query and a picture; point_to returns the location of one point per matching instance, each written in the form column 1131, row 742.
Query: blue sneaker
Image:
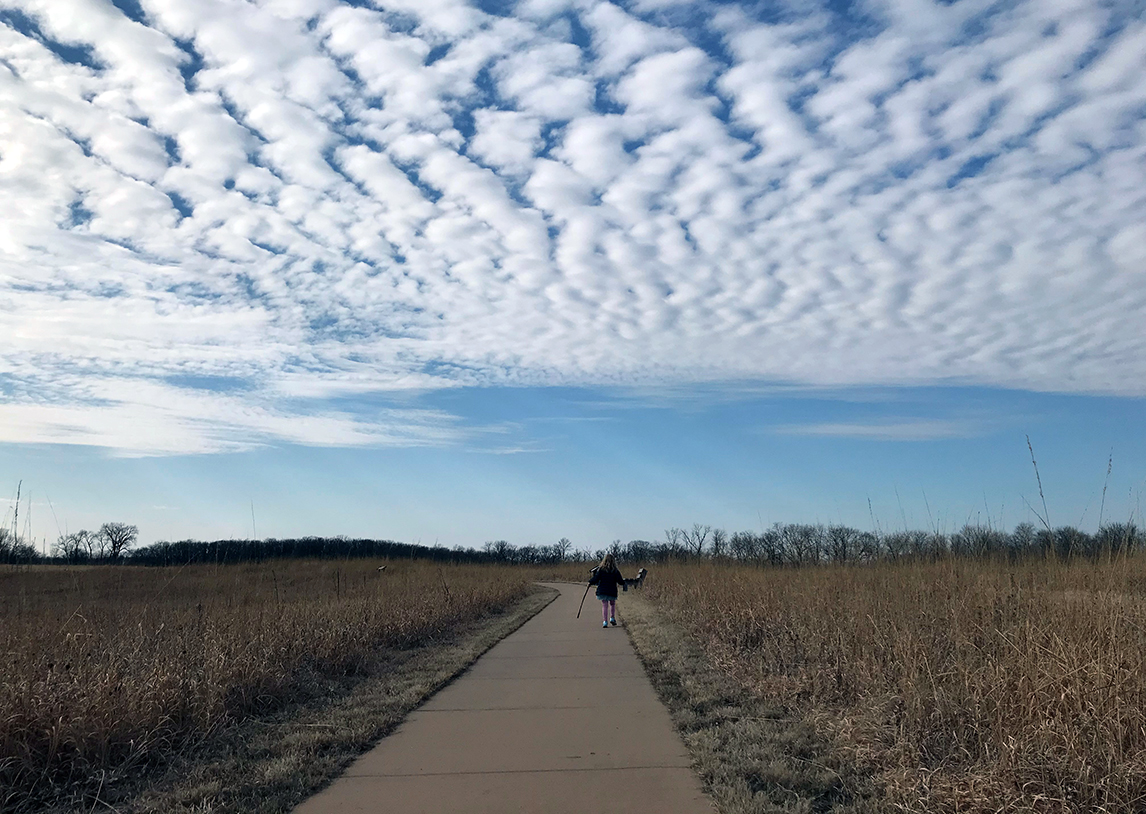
column 604, row 624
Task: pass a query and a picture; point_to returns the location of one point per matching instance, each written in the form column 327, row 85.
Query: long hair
column 608, row 563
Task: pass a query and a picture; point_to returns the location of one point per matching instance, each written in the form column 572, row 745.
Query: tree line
column 235, row 551
column 811, row 544
column 800, row 544
column 783, row 544
column 109, row 543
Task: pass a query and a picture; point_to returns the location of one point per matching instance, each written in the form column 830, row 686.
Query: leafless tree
column 804, row 543
column 562, row 547
column 897, row 545
column 696, row 538
column 75, row 546
column 842, row 543
column 91, row 542
column 773, row 548
column 79, row 545
column 719, row 542
column 921, row 544
column 116, row 538
column 868, row 545
column 744, row 545
column 14, row 549
column 1023, row 540
column 501, row 550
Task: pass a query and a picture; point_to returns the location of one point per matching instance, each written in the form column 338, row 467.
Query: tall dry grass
column 965, row 686
column 106, row 670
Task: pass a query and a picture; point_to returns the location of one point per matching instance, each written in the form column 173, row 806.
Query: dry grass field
column 957, row 686
column 107, row 672
column 951, row 686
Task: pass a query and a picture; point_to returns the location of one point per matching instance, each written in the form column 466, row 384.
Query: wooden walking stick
column 582, row 605
column 587, row 587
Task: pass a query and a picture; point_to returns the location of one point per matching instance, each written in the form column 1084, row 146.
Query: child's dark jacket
column 607, row 582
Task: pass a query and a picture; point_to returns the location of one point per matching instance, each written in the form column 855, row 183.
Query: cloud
column 908, row 429
column 141, row 418
column 328, row 201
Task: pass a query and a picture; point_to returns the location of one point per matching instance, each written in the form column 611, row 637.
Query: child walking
column 607, row 577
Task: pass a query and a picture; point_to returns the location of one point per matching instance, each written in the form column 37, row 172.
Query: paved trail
column 558, row 717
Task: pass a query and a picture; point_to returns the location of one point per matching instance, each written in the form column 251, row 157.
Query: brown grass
column 109, row 672
column 960, row 686
column 753, row 756
column 267, row 764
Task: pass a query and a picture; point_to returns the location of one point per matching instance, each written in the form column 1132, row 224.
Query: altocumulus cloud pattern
column 223, row 219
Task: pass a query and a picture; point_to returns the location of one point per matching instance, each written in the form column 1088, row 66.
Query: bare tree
column 842, row 543
column 897, row 545
column 868, row 545
column 116, row 538
column 773, row 547
column 13, row 549
column 77, row 546
column 719, row 542
column 562, row 548
column 696, row 538
column 91, row 542
column 500, row 550
column 922, row 544
column 804, row 542
column 744, row 545
column 1022, row 540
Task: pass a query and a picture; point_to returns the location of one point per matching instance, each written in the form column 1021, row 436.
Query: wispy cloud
column 325, row 201
column 137, row 418
column 888, row 429
column 515, row 450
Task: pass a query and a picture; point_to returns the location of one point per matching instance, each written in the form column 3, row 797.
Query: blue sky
column 462, row 271
column 596, row 466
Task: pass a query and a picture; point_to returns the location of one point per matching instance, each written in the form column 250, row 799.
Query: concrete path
column 558, row 717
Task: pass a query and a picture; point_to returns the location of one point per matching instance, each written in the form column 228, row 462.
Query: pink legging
column 608, row 609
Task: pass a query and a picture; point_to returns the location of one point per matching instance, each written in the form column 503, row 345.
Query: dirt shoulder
column 752, row 757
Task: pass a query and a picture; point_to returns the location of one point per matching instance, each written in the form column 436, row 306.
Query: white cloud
column 887, row 430
column 619, row 39
column 506, row 139
column 135, row 418
column 323, row 200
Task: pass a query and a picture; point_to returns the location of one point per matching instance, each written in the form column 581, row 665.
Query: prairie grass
column 958, row 686
column 752, row 756
column 110, row 671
